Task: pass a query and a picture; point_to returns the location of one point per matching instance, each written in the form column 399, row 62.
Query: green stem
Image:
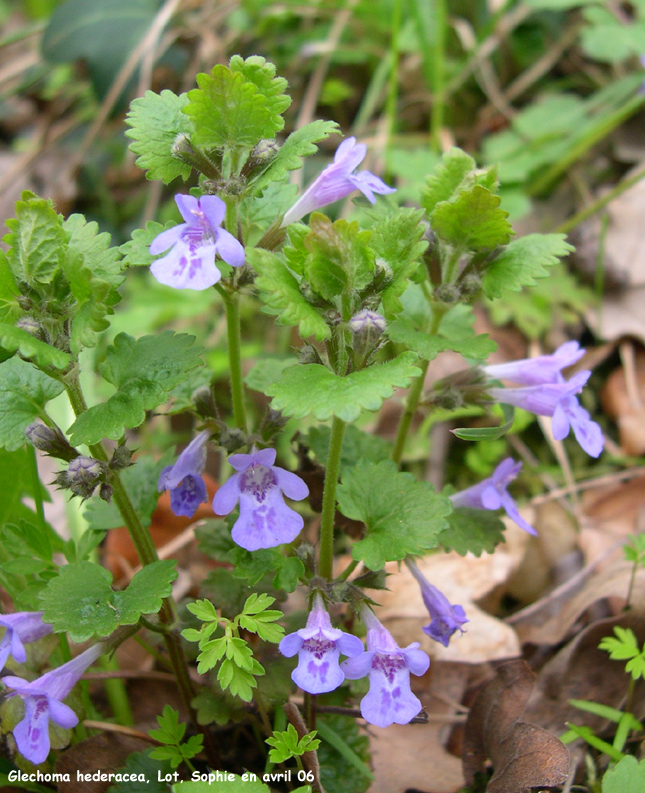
column 348, row 570
column 147, row 554
column 329, row 499
column 36, row 487
column 116, row 693
column 596, row 206
column 408, row 414
column 393, row 86
column 232, row 306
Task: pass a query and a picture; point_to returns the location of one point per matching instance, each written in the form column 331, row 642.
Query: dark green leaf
column 472, row 530
column 449, row 174
column 14, row 339
column 258, row 71
column 472, row 221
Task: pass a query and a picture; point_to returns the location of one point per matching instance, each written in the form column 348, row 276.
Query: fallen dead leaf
column 523, row 755
column 106, row 753
column 623, row 399
column 463, row 580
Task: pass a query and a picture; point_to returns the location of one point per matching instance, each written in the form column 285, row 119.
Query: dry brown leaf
column 106, row 753
column 463, row 580
column 546, row 626
column 581, row 671
column 523, row 755
column 625, row 402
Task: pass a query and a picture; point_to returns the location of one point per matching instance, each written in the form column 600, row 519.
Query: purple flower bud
column 50, row 440
column 389, row 699
column 538, row 370
column 491, row 493
column 184, row 478
column 84, row 469
column 22, row 628
column 319, row 647
column 558, row 400
column 367, row 327
column 190, row 262
column 338, row 181
column 446, row 618
column 43, row 701
column 265, row 520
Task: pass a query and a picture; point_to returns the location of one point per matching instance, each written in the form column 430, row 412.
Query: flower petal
column 359, row 666
column 491, row 499
column 368, row 184
column 350, row 154
column 416, row 660
column 188, row 205
column 62, row 714
column 264, row 457
column 350, row 645
column 290, row 484
column 291, row 644
column 214, row 209
column 318, row 671
column 227, row 496
column 162, row 242
column 266, row 523
column 230, row 249
column 511, row 510
column 560, row 423
column 183, row 268
column 32, row 733
column 17, row 648
column 188, row 495
column 389, row 700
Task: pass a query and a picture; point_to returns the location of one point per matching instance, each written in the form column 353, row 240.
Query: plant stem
column 36, row 486
column 147, row 554
column 348, row 570
column 408, row 414
column 116, row 693
column 232, row 305
column 438, row 75
column 329, row 499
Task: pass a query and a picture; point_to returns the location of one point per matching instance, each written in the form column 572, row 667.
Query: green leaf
column 449, row 174
column 280, row 290
column 314, row 389
column 472, row 530
column 402, row 516
column 228, row 111
column 144, row 371
column 254, row 565
column 85, row 239
column 10, row 309
column 258, row 71
column 404, row 331
column 24, row 392
column 14, row 339
column 286, row 744
column 266, row 371
column 472, row 221
column 171, row 731
column 140, row 481
column 37, row 240
column 136, row 252
column 301, row 143
column 523, row 261
column 339, row 773
column 340, row 744
column 339, row 260
column 155, row 121
column 398, row 241
column 15, row 475
column 627, row 776
column 81, row 601
column 488, row 433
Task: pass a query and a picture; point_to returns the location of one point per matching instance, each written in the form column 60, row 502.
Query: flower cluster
column 546, row 393
column 43, row 700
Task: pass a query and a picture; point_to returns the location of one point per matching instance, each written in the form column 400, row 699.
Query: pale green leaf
column 448, row 175
column 14, row 339
column 258, row 71
column 472, row 221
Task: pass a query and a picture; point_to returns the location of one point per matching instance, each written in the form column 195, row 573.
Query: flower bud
column 264, row 152
column 367, row 327
column 32, row 327
column 84, row 468
column 471, row 285
column 204, row 401
column 309, row 354
column 121, row 458
column 50, row 440
column 182, row 149
column 447, row 293
column 105, row 492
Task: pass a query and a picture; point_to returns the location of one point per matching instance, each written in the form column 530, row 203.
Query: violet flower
column 389, row 699
column 184, row 478
column 491, row 493
column 23, row 627
column 265, row 520
column 319, row 647
column 43, row 701
column 190, row 262
column 558, row 400
column 446, row 618
column 538, row 370
column 337, row 181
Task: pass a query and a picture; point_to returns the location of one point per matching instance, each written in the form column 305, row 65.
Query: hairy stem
column 411, row 404
column 329, row 499
column 147, row 554
column 232, row 305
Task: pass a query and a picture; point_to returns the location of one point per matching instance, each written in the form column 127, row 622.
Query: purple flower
column 184, row 478
column 319, row 647
column 389, row 699
column 558, row 400
column 446, row 618
column 43, row 701
column 190, row 262
column 337, row 181
column 265, row 520
column 22, row 628
column 538, row 370
column 491, row 493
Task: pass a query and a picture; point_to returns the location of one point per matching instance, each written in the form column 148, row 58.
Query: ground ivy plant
column 372, row 302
